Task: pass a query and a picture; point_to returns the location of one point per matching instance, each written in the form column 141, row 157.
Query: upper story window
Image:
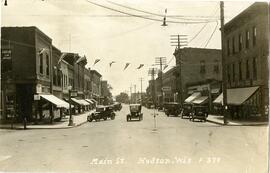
column 240, row 41
column 233, row 45
column 216, row 67
column 233, row 72
column 41, row 63
column 228, row 48
column 240, row 70
column 247, row 69
column 47, row 65
column 254, row 64
column 247, row 39
column 254, row 35
column 202, row 69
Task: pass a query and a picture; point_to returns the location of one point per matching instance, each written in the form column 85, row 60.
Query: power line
column 151, row 13
column 139, row 16
column 211, row 35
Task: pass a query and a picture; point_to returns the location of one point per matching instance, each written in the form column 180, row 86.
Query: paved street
column 118, row 146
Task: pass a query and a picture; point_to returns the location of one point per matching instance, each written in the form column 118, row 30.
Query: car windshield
column 134, row 108
column 99, row 109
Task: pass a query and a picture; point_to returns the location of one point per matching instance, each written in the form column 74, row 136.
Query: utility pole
column 135, row 94
column 130, row 88
column 161, row 61
column 178, row 41
column 152, row 72
column 141, row 79
column 224, row 70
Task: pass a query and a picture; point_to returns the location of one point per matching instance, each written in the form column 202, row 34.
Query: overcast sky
column 81, row 27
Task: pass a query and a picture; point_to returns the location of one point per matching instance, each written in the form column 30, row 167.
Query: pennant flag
column 61, row 57
column 111, row 63
column 81, row 59
column 141, row 65
column 96, row 61
column 165, row 67
column 127, row 64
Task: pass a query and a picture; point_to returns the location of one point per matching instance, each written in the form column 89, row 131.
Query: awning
column 80, row 102
column 93, row 100
column 55, row 100
column 192, row 97
column 237, row 96
column 215, row 90
column 88, row 100
column 200, row 100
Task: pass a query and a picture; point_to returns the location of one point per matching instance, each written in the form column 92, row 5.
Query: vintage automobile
column 172, row 108
column 117, row 106
column 187, row 109
column 102, row 112
column 199, row 112
column 135, row 112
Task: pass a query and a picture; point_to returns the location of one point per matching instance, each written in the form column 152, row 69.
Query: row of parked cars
column 104, row 112
column 190, row 111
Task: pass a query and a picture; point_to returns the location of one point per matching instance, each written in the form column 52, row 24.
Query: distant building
column 95, row 84
column 195, row 65
column 87, row 83
column 246, row 51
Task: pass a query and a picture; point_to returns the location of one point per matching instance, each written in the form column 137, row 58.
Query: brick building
column 246, row 51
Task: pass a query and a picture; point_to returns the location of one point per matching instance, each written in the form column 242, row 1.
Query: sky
column 97, row 32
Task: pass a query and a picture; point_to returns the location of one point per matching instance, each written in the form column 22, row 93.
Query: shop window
column 216, row 67
column 228, row 74
column 228, row 47
column 233, row 45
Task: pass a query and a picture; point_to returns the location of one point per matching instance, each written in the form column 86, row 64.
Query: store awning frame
column 200, row 100
column 59, row 103
column 89, row 101
column 192, row 97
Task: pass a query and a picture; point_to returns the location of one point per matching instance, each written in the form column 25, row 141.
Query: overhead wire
column 148, row 18
column 211, row 36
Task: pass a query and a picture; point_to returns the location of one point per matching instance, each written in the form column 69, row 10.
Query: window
column 240, row 70
column 254, row 64
column 216, row 67
column 228, row 47
column 240, row 41
column 233, row 72
column 41, row 63
column 47, row 65
column 254, row 35
column 247, row 39
column 233, row 44
column 247, row 69
column 202, row 70
column 228, row 74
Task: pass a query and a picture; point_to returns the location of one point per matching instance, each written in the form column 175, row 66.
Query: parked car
column 172, row 108
column 102, row 112
column 117, row 106
column 187, row 110
column 199, row 112
column 135, row 112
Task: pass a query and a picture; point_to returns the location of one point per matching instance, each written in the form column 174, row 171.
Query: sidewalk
column 219, row 120
column 63, row 124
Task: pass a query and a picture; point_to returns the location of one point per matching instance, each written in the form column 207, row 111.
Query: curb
column 247, row 124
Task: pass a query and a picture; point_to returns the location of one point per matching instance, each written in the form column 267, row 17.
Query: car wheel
column 193, row 119
column 105, row 118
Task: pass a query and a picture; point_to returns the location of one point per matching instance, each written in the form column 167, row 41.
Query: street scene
column 134, row 86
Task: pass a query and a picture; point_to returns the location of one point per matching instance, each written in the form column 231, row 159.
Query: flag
column 96, row 61
column 127, row 64
column 82, row 58
column 141, row 65
column 165, row 67
column 111, row 63
column 61, row 57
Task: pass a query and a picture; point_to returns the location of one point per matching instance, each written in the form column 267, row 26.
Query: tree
column 122, row 97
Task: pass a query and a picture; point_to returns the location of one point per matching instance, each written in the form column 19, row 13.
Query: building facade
column 195, row 65
column 95, row 84
column 246, row 51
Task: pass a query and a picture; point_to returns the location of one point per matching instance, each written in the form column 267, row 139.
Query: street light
column 69, row 99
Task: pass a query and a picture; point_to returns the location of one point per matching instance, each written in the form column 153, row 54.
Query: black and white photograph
column 134, row 86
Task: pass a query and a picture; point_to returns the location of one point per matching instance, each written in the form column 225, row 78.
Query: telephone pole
column 152, row 72
column 224, row 70
column 135, row 99
column 179, row 41
column 161, row 61
column 130, row 88
column 141, row 79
